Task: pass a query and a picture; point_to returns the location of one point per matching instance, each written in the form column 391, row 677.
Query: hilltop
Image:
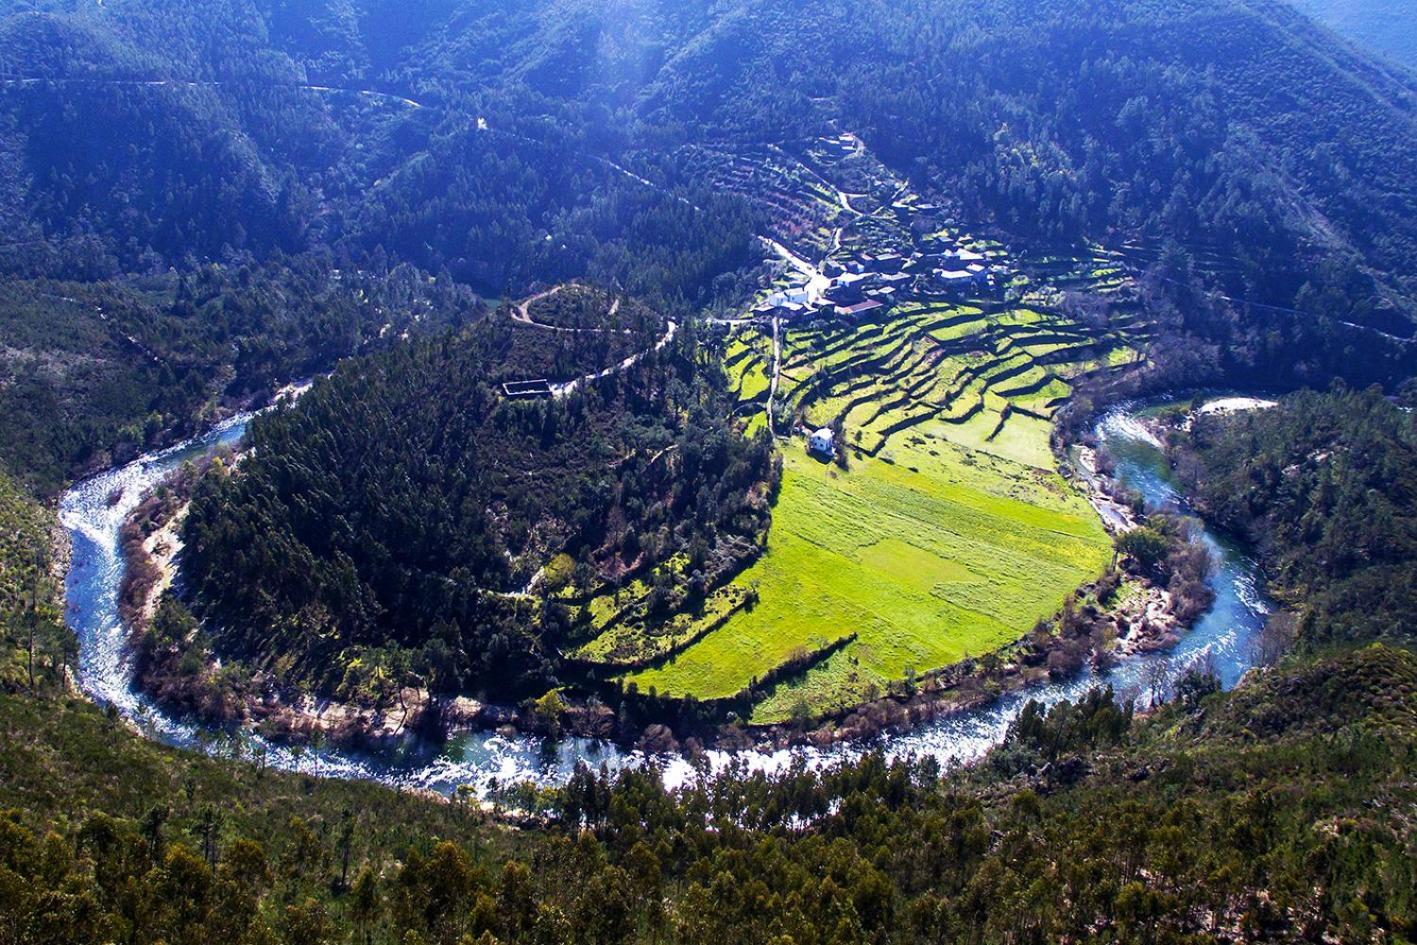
column 442, row 511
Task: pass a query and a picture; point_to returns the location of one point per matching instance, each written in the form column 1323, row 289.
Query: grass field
column 950, row 534
column 941, row 553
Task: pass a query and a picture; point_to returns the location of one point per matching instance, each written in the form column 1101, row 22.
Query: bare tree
column 1274, row 639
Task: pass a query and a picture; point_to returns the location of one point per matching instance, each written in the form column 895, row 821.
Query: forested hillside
column 1278, row 813
column 1265, row 159
column 202, row 202
column 97, row 372
column 1327, row 485
column 37, row 647
column 1275, row 812
column 407, row 513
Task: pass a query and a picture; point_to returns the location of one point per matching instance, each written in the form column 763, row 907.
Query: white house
column 787, row 297
column 968, row 257
column 820, row 443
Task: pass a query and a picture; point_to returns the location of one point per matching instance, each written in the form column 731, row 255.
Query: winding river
column 93, row 510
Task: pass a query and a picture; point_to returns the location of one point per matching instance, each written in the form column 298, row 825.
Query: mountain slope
column 1235, row 128
column 1388, row 27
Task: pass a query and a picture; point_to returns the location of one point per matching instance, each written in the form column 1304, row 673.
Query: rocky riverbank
column 1125, row 613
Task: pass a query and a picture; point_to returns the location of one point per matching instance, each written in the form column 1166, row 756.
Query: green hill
column 407, row 506
column 1276, row 161
column 35, row 646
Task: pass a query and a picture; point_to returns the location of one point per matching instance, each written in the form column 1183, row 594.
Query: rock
column 496, row 716
column 657, row 739
column 591, row 721
column 462, row 712
column 1067, row 771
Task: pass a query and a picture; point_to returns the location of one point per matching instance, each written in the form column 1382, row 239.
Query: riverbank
column 1124, row 614
column 963, row 726
column 182, row 675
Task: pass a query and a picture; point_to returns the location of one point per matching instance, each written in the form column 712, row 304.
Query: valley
column 939, row 526
column 687, row 472
column 945, row 530
column 484, row 761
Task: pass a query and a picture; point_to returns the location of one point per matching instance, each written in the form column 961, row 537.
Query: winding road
column 521, row 312
column 374, row 94
column 561, row 390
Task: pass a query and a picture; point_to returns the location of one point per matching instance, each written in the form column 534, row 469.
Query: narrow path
column 776, row 370
column 208, row 83
column 817, row 282
column 561, row 390
column 521, row 312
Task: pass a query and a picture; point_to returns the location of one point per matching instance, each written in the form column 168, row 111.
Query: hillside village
column 911, row 370
column 858, row 251
column 851, row 254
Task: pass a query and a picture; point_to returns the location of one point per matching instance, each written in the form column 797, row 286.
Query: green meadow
column 954, row 554
column 949, row 534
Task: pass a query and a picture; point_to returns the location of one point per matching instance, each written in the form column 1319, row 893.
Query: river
column 93, row 511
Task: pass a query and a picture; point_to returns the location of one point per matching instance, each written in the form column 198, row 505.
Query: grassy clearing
column 951, row 533
column 929, row 554
column 635, row 641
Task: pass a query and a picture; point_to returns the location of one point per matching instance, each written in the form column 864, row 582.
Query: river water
column 93, row 510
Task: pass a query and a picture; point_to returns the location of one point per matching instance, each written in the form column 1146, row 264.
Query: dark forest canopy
column 97, row 372
column 1327, row 484
column 1275, row 812
column 202, row 200
column 1278, row 813
column 477, row 135
column 407, row 506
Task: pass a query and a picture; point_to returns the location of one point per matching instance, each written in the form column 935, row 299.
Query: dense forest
column 1274, row 812
column 277, row 148
column 97, row 372
column 37, row 646
column 1326, row 484
column 203, row 202
column 406, row 513
column 1258, row 162
column 1278, row 812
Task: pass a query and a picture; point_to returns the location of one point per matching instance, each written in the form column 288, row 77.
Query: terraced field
column 953, row 554
column 950, row 533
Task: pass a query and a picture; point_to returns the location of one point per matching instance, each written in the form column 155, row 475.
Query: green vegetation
column 35, row 646
column 202, row 202
column 394, row 524
column 947, row 534
column 1326, row 484
column 1275, row 812
column 579, row 307
column 639, row 638
column 1278, row 812
column 926, row 567
column 95, row 373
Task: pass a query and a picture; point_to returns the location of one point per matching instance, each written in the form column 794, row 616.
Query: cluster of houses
column 864, row 282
